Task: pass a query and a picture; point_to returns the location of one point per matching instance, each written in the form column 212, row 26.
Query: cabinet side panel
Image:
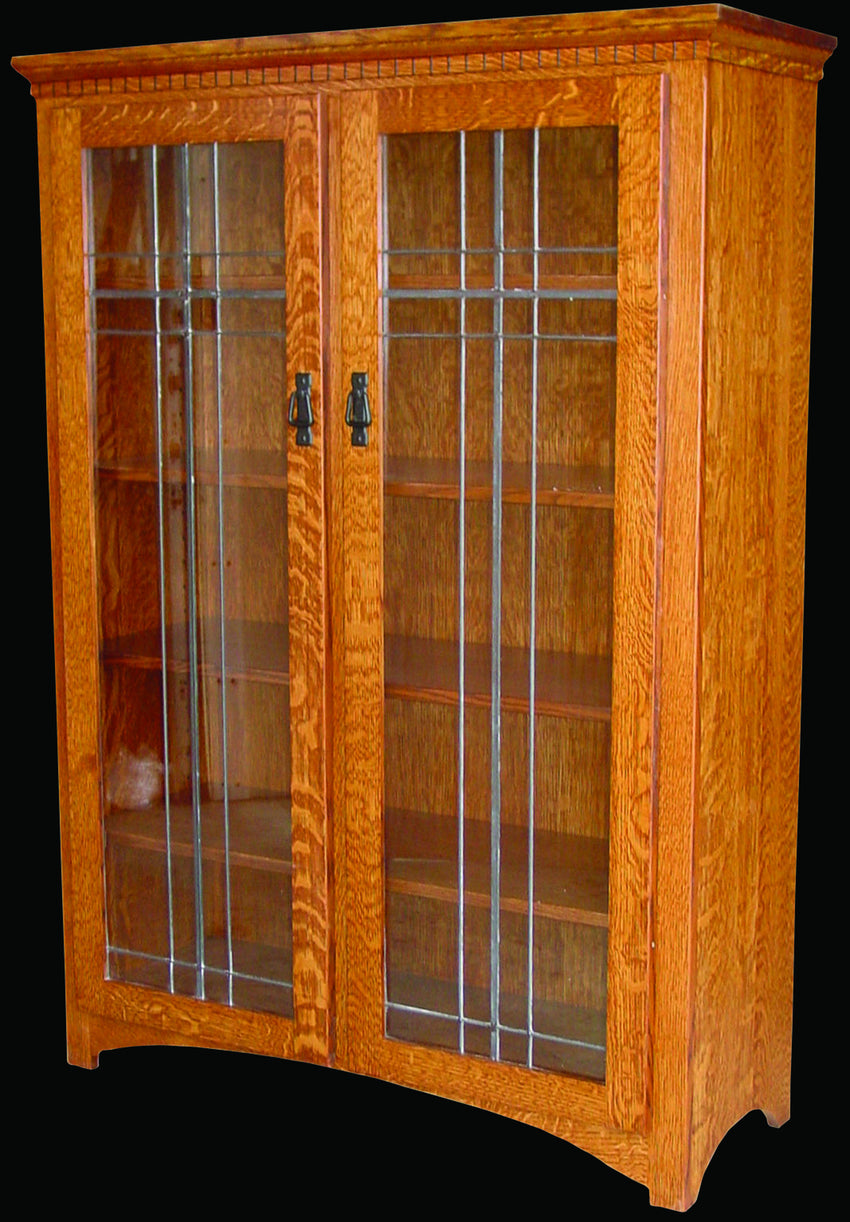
column 758, row 311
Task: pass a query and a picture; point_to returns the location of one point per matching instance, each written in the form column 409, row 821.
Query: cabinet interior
column 499, row 287
column 187, row 294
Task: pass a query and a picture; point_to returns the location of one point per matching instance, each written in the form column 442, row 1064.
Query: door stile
column 73, row 545
column 354, row 158
column 643, row 119
column 308, row 647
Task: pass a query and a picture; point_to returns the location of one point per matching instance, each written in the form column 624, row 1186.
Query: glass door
column 499, row 347
column 192, row 289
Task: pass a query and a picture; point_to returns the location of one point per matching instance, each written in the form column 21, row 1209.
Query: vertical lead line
column 461, row 681
column 496, row 608
column 161, row 544
column 532, row 594
column 228, row 932
column 191, row 580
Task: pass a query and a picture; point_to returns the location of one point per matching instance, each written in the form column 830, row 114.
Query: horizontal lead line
column 192, row 965
column 543, row 337
column 167, row 333
column 501, row 250
column 487, row 1026
column 504, row 294
column 164, row 256
column 183, row 294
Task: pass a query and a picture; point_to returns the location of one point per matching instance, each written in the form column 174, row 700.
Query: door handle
column 301, row 410
column 358, row 417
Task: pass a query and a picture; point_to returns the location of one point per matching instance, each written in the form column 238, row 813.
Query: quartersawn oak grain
column 714, row 113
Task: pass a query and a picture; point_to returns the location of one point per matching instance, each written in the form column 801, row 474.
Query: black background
column 181, row 1128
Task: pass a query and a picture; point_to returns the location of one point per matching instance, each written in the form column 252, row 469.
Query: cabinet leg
column 79, row 1045
column 776, row 1117
column 774, row 1098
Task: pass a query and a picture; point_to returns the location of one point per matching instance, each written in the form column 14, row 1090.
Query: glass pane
column 188, row 367
column 499, row 339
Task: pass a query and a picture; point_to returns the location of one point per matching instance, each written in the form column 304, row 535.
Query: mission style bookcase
column 427, row 436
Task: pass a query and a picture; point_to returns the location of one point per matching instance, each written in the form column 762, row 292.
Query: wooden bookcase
column 448, row 734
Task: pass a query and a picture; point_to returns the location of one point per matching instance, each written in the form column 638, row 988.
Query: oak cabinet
column 427, row 418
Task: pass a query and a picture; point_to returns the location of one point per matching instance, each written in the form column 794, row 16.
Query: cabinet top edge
column 697, row 22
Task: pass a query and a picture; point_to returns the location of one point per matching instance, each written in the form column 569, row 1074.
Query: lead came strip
column 221, row 570
column 169, row 864
column 496, row 609
column 191, row 579
column 532, row 637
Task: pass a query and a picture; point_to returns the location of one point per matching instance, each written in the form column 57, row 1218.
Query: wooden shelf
column 570, row 872
column 566, row 685
column 253, row 650
column 240, row 469
column 260, row 831
column 589, row 487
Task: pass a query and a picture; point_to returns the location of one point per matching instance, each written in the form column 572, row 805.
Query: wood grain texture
column 570, row 1108
column 572, row 766
column 356, row 151
column 473, row 107
column 639, row 311
column 714, row 113
column 336, row 439
column 307, row 583
column 77, row 639
column 731, row 589
column 758, row 251
column 199, row 121
column 78, row 501
column 80, row 1048
column 134, row 1017
column 503, row 39
column 777, row 832
column 677, row 628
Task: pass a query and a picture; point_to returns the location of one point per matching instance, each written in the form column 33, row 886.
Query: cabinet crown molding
column 583, row 40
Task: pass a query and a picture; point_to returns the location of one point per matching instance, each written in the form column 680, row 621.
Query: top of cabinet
column 573, row 40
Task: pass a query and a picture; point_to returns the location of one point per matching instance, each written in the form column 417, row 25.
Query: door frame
column 567, row 1106
column 101, row 1013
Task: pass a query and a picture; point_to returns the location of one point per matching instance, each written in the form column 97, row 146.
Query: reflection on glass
column 499, row 337
column 185, row 262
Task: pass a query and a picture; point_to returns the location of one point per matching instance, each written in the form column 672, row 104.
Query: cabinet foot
column 776, row 1117
column 79, row 1045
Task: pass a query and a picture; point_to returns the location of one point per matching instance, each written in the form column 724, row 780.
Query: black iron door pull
column 301, row 410
column 357, row 414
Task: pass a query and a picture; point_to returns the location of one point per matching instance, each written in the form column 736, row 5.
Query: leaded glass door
column 499, row 344
column 203, row 320
column 508, row 389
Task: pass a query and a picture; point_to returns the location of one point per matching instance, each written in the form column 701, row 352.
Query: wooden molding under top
column 721, row 32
